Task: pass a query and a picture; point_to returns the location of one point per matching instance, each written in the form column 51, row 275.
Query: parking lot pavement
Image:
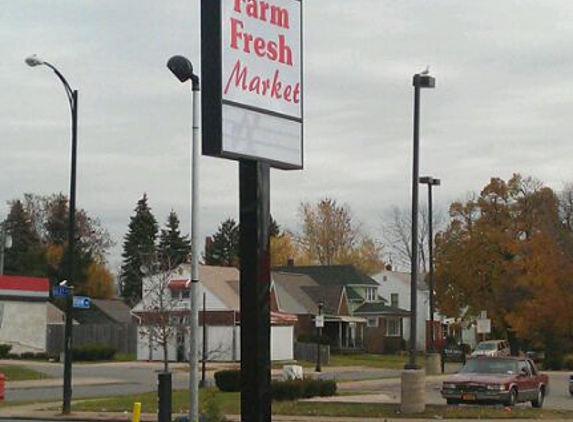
column 389, row 390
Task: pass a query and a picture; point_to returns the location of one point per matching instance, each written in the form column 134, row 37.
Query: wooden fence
column 122, row 337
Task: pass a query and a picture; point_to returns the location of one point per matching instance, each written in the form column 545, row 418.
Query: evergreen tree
column 223, row 248
column 26, row 256
column 138, row 250
column 173, row 248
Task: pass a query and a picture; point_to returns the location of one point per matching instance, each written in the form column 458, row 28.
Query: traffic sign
column 61, row 291
column 82, row 302
column 319, row 321
column 484, row 326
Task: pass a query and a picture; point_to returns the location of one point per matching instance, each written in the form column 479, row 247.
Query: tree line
column 509, row 251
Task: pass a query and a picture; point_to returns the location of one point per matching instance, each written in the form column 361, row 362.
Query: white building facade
column 395, row 288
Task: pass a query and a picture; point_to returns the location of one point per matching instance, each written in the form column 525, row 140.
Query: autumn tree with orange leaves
column 508, row 251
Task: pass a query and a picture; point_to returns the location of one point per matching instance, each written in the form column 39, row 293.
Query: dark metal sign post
column 255, row 291
column 252, row 112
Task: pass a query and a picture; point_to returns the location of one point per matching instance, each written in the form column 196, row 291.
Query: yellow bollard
column 136, row 416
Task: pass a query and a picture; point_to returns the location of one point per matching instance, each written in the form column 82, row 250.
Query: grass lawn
column 230, row 404
column 373, row 361
column 19, row 373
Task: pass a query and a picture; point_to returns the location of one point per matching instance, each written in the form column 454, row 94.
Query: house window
column 394, row 300
column 372, row 322
column 371, row 295
column 184, row 294
column 393, row 327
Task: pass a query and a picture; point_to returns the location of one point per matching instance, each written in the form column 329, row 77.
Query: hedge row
column 93, row 352
column 302, row 389
column 5, row 350
column 229, row 380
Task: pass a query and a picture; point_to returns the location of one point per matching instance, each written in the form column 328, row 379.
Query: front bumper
column 475, row 396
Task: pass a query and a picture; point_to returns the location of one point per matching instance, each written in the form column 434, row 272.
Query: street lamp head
column 424, row 80
column 429, row 180
column 181, row 67
column 34, row 60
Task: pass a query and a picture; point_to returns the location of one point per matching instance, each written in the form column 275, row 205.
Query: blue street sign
column 82, row 302
column 61, row 291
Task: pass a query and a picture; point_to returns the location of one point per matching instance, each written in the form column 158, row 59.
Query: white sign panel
column 319, row 321
column 484, row 326
column 252, row 86
column 261, row 65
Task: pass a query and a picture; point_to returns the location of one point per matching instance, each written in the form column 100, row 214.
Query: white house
column 24, row 312
column 219, row 299
column 395, row 288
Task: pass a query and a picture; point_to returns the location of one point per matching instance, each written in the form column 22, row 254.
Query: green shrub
column 93, row 352
column 27, row 355
column 305, row 388
column 5, row 350
column 228, row 380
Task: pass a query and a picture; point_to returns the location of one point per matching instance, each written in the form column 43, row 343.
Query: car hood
column 479, row 378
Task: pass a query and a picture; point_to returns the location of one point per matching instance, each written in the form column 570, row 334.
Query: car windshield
column 486, row 346
column 490, row 366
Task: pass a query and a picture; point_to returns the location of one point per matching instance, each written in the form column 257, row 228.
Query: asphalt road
column 136, row 377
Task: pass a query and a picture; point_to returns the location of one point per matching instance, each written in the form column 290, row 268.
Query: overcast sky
column 503, row 103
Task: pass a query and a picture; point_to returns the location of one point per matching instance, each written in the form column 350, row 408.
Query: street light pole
column 182, row 68
column 430, row 181
column 72, row 95
column 319, row 325
column 421, row 80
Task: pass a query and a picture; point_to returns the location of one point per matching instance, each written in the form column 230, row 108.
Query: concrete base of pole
column 413, row 391
column 433, row 364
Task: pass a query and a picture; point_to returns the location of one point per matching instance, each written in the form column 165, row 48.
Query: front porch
column 345, row 332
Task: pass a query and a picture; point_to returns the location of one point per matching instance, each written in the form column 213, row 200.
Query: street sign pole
column 255, row 291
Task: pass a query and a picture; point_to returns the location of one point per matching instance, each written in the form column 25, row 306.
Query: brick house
column 355, row 316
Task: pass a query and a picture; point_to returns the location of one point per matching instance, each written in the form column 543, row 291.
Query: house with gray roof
column 355, row 316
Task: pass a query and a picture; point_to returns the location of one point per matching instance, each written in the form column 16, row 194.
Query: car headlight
column 495, row 387
column 448, row 386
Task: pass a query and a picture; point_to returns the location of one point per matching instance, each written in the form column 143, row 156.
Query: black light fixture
column 430, row 181
column 182, row 68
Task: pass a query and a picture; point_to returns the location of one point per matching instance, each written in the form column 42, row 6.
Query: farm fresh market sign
column 252, row 75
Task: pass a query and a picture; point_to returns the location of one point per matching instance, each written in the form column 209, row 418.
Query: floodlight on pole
column 72, row 95
column 182, row 68
column 420, row 80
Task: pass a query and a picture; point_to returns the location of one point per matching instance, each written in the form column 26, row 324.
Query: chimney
column 290, row 262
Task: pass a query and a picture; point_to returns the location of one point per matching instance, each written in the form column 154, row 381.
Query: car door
column 527, row 385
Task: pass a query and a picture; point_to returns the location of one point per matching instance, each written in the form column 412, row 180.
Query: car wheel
column 512, row 399
column 538, row 402
column 452, row 401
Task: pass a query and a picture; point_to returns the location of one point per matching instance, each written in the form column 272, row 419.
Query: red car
column 506, row 380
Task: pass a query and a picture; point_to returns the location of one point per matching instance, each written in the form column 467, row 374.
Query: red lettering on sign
column 273, row 87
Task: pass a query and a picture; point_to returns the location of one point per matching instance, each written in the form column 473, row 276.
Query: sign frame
column 212, row 99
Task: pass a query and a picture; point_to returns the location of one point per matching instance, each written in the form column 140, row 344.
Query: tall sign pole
column 251, row 60
column 255, row 291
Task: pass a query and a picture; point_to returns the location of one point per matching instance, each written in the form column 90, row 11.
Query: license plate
column 469, row 396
